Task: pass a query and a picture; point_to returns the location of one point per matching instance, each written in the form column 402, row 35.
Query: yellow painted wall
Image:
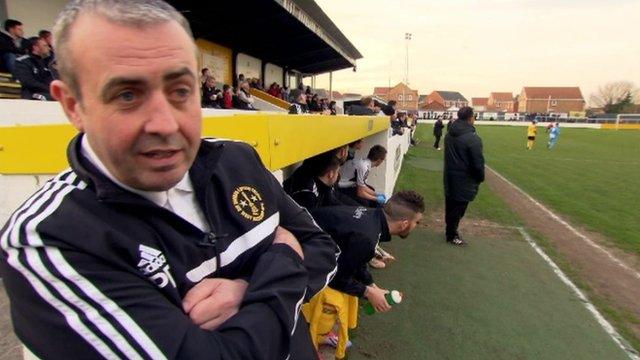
column 281, row 140
column 621, row 127
column 217, row 58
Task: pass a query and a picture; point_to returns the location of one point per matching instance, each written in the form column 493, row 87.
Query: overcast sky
column 479, row 46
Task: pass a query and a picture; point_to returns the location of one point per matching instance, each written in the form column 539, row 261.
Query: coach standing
column 463, row 171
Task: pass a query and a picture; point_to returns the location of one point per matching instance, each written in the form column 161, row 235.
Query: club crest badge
column 248, row 202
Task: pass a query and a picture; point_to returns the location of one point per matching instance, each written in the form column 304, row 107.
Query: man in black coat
column 33, row 72
column 11, row 44
column 437, row 133
column 463, row 171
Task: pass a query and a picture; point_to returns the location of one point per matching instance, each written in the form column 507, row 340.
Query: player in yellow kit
column 532, row 131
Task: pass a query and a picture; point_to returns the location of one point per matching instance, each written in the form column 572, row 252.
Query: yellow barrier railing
column 270, row 99
column 280, row 139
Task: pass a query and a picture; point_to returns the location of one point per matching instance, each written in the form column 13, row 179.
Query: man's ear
column 404, row 224
column 70, row 103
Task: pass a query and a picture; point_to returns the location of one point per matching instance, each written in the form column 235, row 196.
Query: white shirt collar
column 157, row 197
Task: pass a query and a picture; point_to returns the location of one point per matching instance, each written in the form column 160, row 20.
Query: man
column 463, row 171
column 245, row 99
column 10, row 44
column 312, row 184
column 390, row 108
column 204, row 74
column 366, row 107
column 398, row 124
column 358, row 230
column 211, row 96
column 299, row 106
column 155, row 244
column 47, row 36
column 32, row 71
column 554, row 135
column 532, row 131
column 437, row 133
column 354, row 175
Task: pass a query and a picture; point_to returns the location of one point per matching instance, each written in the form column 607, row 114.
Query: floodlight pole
column 407, row 37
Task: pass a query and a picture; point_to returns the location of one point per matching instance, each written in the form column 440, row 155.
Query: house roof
column 572, row 93
column 502, row 96
column 479, row 101
column 434, row 106
column 451, row 95
column 381, row 91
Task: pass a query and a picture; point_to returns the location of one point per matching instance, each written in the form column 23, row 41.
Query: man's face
column 41, row 48
column 377, row 162
column 140, row 104
column 211, row 82
column 409, row 225
column 17, row 31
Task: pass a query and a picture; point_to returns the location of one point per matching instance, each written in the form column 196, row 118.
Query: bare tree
column 612, row 94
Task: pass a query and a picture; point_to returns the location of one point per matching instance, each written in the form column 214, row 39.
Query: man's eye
column 126, row 96
column 182, row 92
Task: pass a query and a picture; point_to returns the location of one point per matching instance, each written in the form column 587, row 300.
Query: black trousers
column 437, row 143
column 454, row 211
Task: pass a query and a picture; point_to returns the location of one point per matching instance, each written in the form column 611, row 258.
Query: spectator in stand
column 366, row 107
column 237, row 82
column 437, row 133
column 398, row 124
column 211, row 96
column 354, row 175
column 333, row 108
column 299, row 106
column 284, row 93
column 390, row 108
column 11, row 44
column 308, row 91
column 245, row 100
column 47, row 36
column 274, row 90
column 314, row 105
column 227, row 97
column 204, row 74
column 32, row 71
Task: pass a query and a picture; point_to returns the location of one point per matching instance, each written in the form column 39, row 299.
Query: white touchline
column 617, row 338
column 568, row 226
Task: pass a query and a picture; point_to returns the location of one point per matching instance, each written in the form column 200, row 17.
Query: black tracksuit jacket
column 463, row 162
column 357, row 231
column 93, row 270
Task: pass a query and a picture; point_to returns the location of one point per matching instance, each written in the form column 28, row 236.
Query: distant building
column 406, row 98
column 479, row 104
column 501, row 101
column 448, row 99
column 550, row 100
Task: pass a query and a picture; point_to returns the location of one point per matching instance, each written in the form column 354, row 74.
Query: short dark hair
column 204, row 70
column 31, row 42
column 392, row 103
column 320, row 164
column 354, row 143
column 377, row 152
column 10, row 23
column 366, row 101
column 465, row 113
column 225, row 87
column 44, row 33
column 404, row 205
